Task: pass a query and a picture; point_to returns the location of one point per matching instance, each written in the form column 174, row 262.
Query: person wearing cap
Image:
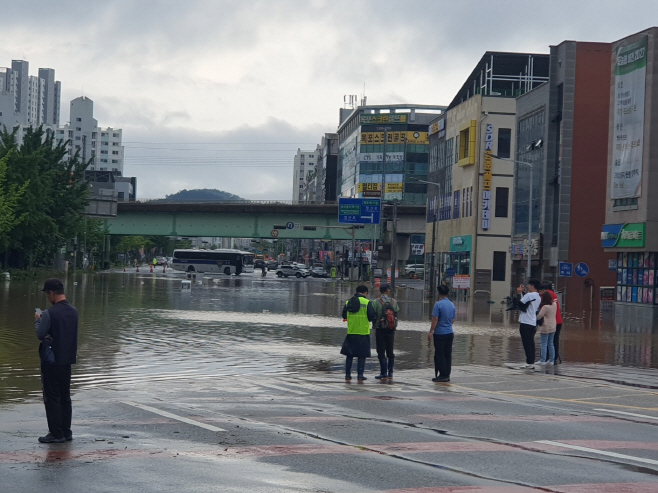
column 384, row 333
column 57, row 328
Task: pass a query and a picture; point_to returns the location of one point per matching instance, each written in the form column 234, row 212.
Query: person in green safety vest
column 155, row 262
column 358, row 312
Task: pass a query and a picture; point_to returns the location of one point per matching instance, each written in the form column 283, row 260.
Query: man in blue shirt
column 443, row 316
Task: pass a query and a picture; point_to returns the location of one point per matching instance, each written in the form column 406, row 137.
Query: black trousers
column 56, row 382
column 556, row 341
column 528, row 338
column 385, row 338
column 443, row 354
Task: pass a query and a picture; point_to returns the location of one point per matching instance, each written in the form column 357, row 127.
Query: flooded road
column 141, row 328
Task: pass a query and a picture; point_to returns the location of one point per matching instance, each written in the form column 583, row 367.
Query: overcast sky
column 219, row 94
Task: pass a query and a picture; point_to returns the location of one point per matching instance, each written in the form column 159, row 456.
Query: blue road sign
column 450, row 272
column 612, row 264
column 359, row 211
column 290, row 225
column 566, row 269
column 582, row 269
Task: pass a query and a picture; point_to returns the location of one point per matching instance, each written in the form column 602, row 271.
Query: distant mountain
column 201, row 194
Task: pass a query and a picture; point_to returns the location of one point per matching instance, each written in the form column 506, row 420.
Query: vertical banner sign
column 486, row 188
column 630, row 80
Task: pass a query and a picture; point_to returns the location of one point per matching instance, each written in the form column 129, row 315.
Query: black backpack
column 388, row 319
column 353, row 304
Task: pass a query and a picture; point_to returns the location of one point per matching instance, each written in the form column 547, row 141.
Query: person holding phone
column 57, row 328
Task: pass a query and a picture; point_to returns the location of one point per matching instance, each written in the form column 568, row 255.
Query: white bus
column 226, row 261
column 248, row 261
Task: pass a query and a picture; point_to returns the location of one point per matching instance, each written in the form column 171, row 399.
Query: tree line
column 43, row 196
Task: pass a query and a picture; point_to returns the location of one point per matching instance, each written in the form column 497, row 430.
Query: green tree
column 55, row 195
column 10, row 196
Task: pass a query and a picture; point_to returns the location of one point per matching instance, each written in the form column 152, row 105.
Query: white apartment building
column 103, row 145
column 304, row 163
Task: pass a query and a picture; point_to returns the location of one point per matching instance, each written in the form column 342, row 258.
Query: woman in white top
column 547, row 311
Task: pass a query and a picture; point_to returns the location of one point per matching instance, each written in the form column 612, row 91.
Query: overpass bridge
column 252, row 219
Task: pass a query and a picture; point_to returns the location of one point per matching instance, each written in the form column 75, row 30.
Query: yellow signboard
column 375, row 138
column 377, row 187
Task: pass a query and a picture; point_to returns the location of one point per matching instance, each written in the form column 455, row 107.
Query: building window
column 103, row 160
column 502, row 200
column 115, row 143
column 78, row 129
column 78, row 119
column 504, row 142
column 103, row 152
column 499, row 266
column 104, row 134
column 120, row 195
column 77, row 138
column 455, row 213
column 115, row 152
column 93, row 135
column 115, row 161
column 470, row 213
column 115, row 135
column 103, row 143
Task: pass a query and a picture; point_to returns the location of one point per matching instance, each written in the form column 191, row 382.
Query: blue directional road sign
column 450, row 272
column 290, row 225
column 582, row 269
column 566, row 269
column 359, row 211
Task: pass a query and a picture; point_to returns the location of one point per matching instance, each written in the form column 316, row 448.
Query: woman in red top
column 547, row 287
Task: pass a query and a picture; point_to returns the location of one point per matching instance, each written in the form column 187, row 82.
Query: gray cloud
column 252, row 72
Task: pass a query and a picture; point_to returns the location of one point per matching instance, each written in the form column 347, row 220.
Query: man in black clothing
column 57, row 328
column 385, row 334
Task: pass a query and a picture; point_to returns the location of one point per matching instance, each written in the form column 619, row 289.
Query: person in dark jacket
column 385, row 334
column 57, row 329
column 359, row 312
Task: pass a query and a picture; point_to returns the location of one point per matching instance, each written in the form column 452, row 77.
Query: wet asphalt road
column 177, row 399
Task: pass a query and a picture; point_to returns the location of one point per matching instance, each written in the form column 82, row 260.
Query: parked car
column 290, row 270
column 414, row 270
column 319, row 272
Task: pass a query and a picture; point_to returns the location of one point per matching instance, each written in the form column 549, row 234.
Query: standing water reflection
column 140, row 328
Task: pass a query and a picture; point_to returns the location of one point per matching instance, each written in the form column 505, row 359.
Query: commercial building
column 303, row 166
column 631, row 217
column 385, row 145
column 469, row 220
column 561, row 144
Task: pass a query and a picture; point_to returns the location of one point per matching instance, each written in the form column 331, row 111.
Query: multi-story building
column 368, row 133
column 471, row 171
column 84, row 136
column 303, row 164
column 631, row 218
column 35, row 100
column 321, row 181
column 562, row 135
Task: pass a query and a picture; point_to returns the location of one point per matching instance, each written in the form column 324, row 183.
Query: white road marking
column 600, row 452
column 173, row 416
column 627, row 414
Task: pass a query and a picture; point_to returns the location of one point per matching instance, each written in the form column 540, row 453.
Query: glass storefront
column 637, row 281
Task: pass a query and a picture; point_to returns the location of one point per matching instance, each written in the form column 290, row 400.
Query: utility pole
column 393, row 249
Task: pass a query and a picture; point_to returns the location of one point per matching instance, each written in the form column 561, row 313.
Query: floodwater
column 140, row 328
